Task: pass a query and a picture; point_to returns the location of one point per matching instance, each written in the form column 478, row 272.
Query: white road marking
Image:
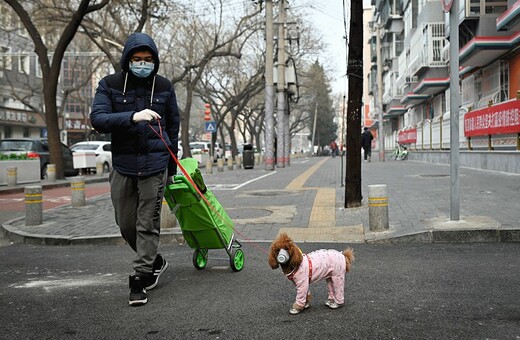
column 237, row 186
column 256, row 179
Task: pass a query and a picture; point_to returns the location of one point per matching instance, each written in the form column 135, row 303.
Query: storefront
column 15, row 123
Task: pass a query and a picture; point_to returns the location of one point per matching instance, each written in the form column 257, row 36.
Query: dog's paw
column 332, row 304
column 295, row 311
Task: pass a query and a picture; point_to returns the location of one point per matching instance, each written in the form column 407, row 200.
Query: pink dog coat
column 326, row 264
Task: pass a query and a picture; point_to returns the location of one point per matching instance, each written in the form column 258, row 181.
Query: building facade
column 20, row 81
column 21, row 86
column 415, row 47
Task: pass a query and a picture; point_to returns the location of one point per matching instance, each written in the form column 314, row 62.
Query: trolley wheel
column 237, row 260
column 200, row 258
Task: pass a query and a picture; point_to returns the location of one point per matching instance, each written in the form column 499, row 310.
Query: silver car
column 102, row 149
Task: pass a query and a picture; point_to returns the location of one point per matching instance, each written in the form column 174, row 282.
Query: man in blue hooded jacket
column 139, row 109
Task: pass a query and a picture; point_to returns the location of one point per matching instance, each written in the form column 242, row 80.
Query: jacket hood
column 135, row 42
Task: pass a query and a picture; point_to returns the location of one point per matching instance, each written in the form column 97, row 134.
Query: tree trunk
column 355, row 92
column 51, row 120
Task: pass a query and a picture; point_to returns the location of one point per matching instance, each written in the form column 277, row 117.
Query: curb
column 455, row 236
column 47, row 185
column 18, row 236
column 175, row 236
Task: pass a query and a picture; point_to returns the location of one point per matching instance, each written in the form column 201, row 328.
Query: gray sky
column 327, row 16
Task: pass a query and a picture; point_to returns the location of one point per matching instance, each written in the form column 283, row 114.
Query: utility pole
column 380, row 132
column 314, row 127
column 269, row 88
column 286, row 134
column 280, row 159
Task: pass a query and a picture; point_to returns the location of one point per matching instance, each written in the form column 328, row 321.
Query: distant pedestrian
column 333, row 148
column 366, row 143
column 129, row 104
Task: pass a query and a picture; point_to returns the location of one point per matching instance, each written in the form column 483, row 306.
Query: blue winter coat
column 136, row 149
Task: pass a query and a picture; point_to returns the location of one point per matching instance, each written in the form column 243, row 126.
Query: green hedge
column 14, row 157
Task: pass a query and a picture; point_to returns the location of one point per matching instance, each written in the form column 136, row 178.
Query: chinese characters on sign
column 408, row 136
column 14, row 116
column 499, row 119
column 75, row 124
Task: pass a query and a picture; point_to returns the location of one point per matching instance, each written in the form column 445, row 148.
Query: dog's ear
column 273, row 252
column 295, row 254
column 272, row 257
column 296, row 257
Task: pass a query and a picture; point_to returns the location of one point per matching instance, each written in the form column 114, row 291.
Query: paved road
column 394, row 291
column 404, row 291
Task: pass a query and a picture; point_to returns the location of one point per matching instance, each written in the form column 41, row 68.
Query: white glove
column 146, row 115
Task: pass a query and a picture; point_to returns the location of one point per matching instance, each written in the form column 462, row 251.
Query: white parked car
column 102, row 149
column 203, row 147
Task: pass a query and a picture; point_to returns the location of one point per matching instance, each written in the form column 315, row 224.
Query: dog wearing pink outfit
column 304, row 269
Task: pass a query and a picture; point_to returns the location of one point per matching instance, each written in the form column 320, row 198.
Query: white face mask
column 141, row 69
column 283, row 256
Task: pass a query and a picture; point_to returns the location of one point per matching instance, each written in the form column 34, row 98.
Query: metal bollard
column 378, row 207
column 33, row 205
column 239, row 161
column 230, row 163
column 51, row 172
column 99, row 169
column 220, row 165
column 209, row 167
column 12, row 176
column 78, row 191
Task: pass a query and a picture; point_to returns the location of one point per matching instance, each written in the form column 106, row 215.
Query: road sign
column 446, row 4
column 210, row 127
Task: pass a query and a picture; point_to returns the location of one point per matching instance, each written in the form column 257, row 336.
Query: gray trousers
column 137, row 205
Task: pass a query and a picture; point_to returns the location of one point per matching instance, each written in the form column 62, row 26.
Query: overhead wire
column 346, row 43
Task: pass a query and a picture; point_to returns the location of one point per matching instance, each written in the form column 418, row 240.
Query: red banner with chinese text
column 408, row 136
column 498, row 119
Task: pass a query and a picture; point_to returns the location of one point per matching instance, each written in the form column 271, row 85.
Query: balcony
column 482, row 50
column 414, row 99
column 510, row 19
column 392, row 91
column 426, row 47
column 395, row 111
column 432, row 86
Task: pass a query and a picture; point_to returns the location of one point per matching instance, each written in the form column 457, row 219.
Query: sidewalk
column 306, row 199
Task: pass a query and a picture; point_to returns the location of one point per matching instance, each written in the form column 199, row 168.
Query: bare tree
column 230, row 85
column 51, row 66
column 109, row 29
column 194, row 44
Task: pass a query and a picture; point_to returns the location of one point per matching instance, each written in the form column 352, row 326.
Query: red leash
column 185, row 173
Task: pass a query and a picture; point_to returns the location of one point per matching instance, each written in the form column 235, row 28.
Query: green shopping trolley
column 203, row 226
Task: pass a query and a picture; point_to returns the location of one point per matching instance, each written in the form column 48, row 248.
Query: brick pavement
column 419, row 206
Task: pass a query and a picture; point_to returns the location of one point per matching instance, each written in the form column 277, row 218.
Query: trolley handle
column 183, row 179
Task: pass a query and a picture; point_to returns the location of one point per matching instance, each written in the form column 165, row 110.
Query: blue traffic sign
column 210, row 127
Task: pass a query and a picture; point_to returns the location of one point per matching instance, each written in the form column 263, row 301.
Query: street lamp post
column 452, row 6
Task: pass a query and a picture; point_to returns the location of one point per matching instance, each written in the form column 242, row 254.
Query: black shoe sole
column 136, row 303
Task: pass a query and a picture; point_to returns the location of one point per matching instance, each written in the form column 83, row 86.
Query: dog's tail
column 349, row 258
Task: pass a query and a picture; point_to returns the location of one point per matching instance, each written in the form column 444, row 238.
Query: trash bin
column 249, row 157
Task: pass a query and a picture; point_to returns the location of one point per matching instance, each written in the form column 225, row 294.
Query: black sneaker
column 137, row 290
column 159, row 266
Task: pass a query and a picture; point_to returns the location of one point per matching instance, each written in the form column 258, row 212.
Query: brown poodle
column 303, row 269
